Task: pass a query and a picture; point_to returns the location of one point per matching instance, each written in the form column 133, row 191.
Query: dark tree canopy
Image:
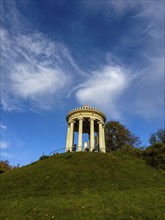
column 158, row 137
column 117, row 136
column 155, row 155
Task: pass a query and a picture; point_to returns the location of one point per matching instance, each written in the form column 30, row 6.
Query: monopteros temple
column 86, row 120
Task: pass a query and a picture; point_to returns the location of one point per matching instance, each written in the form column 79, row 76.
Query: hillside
column 83, row 186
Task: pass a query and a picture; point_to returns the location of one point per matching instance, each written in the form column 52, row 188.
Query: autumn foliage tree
column 4, row 166
column 117, row 136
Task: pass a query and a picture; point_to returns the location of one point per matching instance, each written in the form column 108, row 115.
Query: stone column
column 91, row 134
column 73, row 140
column 71, row 134
column 89, row 139
column 97, row 140
column 104, row 150
column 67, row 139
column 100, row 136
column 80, row 132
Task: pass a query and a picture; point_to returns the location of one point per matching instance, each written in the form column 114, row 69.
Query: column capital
column 71, row 121
column 91, row 119
column 80, row 118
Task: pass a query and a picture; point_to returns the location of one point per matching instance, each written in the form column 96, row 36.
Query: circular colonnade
column 86, row 120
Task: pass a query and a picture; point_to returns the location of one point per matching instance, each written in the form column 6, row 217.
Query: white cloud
column 144, row 8
column 28, row 82
column 3, row 127
column 35, row 71
column 4, row 145
column 119, row 7
column 149, row 100
column 121, row 92
column 41, row 71
column 6, row 155
column 144, row 96
column 37, row 48
column 104, row 88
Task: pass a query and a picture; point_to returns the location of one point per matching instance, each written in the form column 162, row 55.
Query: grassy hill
column 83, row 186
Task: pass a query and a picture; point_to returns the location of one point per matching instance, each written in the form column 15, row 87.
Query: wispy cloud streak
column 35, row 69
column 3, row 127
column 4, row 145
column 40, row 72
column 104, row 88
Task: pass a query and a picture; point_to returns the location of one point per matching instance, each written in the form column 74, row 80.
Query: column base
column 79, row 149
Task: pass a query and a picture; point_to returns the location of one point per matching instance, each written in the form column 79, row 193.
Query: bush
column 131, row 150
column 155, row 155
column 43, row 157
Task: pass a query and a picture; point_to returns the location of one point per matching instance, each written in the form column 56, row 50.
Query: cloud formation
column 3, row 127
column 103, row 88
column 6, row 155
column 39, row 72
column 143, row 47
column 34, row 72
column 4, row 145
column 149, row 89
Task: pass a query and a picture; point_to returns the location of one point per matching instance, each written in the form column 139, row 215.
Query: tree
column 117, row 136
column 4, row 166
column 158, row 137
column 155, row 155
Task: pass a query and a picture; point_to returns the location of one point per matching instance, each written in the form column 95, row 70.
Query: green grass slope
column 83, row 186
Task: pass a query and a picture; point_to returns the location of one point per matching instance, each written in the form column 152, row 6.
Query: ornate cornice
column 85, row 108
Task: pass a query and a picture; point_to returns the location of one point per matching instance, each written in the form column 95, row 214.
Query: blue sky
column 58, row 55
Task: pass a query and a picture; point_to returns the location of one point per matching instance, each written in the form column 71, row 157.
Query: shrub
column 131, row 150
column 43, row 157
column 155, row 155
